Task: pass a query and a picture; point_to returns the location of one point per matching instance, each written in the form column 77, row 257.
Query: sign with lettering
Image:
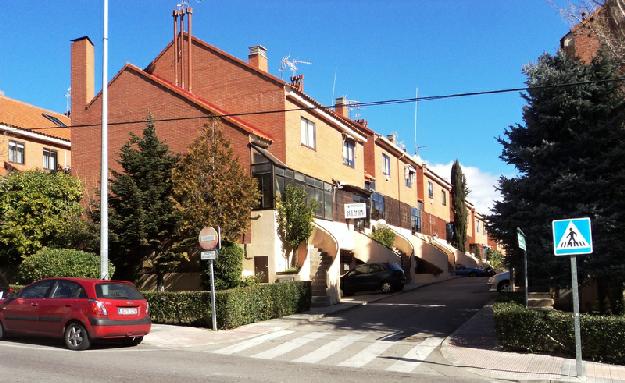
column 355, row 210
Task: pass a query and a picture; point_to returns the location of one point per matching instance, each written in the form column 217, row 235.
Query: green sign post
column 523, row 246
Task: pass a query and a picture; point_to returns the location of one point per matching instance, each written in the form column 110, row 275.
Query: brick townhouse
column 32, row 137
column 336, row 159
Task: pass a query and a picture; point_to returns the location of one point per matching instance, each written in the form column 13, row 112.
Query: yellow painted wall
column 481, row 237
column 435, row 205
column 387, row 185
column 33, row 153
column 326, row 160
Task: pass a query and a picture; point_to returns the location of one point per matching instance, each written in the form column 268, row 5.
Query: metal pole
column 104, row 223
column 526, row 283
column 213, row 312
column 578, row 337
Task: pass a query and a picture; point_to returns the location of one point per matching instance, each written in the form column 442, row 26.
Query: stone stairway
column 320, row 263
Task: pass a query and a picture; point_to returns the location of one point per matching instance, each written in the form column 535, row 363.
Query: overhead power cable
column 354, row 104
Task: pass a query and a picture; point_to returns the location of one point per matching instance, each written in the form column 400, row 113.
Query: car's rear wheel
column 386, row 287
column 2, row 332
column 76, row 337
column 399, row 287
column 504, row 286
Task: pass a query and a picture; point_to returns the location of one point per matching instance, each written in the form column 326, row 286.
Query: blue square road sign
column 572, row 236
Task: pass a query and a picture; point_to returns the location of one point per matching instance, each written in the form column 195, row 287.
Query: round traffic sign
column 209, row 238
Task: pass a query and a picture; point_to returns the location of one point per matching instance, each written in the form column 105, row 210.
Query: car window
column 374, row 268
column 117, row 291
column 68, row 289
column 361, row 269
column 394, row 266
column 38, row 290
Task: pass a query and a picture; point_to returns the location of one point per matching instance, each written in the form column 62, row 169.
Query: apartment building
column 337, row 160
column 32, row 137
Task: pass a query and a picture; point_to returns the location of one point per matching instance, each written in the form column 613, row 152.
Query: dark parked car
column 474, row 271
column 385, row 277
column 79, row 310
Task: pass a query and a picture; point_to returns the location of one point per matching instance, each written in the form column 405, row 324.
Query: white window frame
column 386, row 164
column 430, row 190
column 410, row 174
column 444, row 194
column 308, row 133
column 50, row 154
column 17, row 152
column 349, row 152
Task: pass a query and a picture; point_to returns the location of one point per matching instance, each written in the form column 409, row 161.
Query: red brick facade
column 133, row 94
column 234, row 86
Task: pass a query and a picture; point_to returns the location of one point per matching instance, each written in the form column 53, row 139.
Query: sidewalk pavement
column 473, row 346
column 170, row 336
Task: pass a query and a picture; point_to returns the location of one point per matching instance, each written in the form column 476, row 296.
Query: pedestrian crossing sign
column 572, row 236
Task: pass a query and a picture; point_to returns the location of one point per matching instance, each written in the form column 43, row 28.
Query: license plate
column 127, row 310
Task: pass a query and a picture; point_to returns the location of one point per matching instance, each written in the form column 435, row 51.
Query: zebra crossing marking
column 368, row 354
column 289, row 346
column 246, row 344
column 416, row 355
column 330, row 349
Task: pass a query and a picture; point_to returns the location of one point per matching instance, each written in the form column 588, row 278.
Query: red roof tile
column 25, row 116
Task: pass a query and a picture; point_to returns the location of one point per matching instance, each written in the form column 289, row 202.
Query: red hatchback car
column 80, row 310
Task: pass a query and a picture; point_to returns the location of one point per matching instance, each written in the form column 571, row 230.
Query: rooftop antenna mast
column 68, row 96
column 290, row 64
column 355, row 106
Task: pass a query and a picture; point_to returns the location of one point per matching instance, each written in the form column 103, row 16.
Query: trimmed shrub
column 384, row 235
column 235, row 307
column 60, row 263
column 521, row 329
column 228, row 268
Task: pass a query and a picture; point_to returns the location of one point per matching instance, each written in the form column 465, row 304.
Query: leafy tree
column 211, row 188
column 60, row 263
column 496, row 259
column 569, row 157
column 295, row 220
column 459, row 194
column 142, row 219
column 385, row 235
column 36, row 208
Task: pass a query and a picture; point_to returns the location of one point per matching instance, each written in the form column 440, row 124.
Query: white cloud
column 481, row 184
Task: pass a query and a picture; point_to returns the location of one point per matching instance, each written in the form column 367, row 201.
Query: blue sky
column 377, row 50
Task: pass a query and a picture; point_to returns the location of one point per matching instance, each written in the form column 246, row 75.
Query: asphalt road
column 392, row 340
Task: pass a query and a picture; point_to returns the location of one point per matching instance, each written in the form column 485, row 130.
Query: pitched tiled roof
column 212, row 109
column 29, row 117
column 267, row 76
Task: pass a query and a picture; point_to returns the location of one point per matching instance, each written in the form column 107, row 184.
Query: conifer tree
column 459, row 206
column 142, row 220
column 569, row 154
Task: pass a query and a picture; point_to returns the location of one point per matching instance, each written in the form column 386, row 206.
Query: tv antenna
column 68, row 95
column 354, row 105
column 291, row 64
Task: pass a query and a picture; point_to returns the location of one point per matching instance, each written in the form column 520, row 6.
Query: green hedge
column 60, row 263
column 235, row 307
column 521, row 329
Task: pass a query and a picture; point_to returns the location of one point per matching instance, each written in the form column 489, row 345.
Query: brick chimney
column 82, row 75
column 258, row 57
column 341, row 107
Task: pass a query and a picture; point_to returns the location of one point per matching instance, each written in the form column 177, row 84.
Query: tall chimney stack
column 341, row 107
column 82, row 74
column 258, row 57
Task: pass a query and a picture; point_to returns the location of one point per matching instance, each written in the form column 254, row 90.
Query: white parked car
column 500, row 281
